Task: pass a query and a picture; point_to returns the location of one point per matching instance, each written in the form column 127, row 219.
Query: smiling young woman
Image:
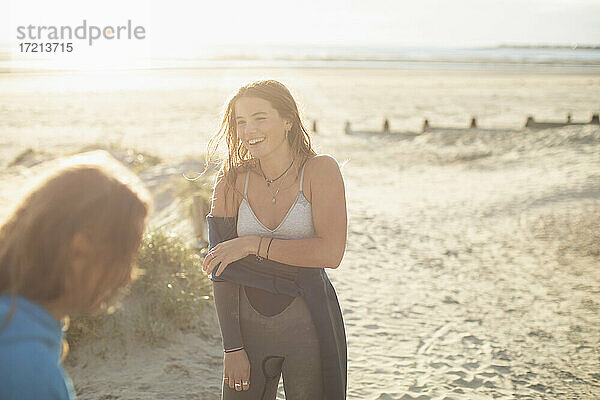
column 277, row 309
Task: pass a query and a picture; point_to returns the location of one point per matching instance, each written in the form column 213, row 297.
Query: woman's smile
column 256, row 141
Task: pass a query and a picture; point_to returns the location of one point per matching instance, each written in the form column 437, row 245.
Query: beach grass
column 169, row 291
column 169, row 294
column 135, row 160
column 173, row 286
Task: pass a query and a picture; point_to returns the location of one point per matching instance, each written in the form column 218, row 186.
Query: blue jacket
column 311, row 283
column 30, row 350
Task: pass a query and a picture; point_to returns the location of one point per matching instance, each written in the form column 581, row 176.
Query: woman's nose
column 250, row 127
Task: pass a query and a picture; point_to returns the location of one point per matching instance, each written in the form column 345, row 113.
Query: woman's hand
column 228, row 252
column 236, row 370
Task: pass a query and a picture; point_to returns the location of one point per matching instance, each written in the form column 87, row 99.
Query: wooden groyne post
column 425, row 125
column 530, row 122
column 347, row 128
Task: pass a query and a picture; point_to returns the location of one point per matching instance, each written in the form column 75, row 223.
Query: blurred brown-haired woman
column 66, row 248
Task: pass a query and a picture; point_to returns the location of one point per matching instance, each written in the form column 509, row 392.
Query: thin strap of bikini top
column 302, row 176
column 246, row 187
column 248, row 176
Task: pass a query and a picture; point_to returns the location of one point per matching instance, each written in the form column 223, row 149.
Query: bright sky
column 177, row 27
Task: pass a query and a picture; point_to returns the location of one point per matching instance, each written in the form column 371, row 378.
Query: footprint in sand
column 501, row 368
column 177, row 369
column 472, row 384
column 539, row 387
column 472, row 339
column 472, row 365
column 462, row 374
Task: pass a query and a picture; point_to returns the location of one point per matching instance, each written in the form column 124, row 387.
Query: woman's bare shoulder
column 226, row 200
column 320, row 168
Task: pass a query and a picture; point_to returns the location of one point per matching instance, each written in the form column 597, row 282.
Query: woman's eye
column 260, row 119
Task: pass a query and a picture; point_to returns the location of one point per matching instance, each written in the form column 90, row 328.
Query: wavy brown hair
column 104, row 203
column 239, row 159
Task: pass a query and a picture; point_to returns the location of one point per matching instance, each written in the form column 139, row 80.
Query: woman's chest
column 274, row 206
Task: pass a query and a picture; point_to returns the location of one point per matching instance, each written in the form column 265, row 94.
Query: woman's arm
column 328, row 203
column 228, row 310
column 226, row 293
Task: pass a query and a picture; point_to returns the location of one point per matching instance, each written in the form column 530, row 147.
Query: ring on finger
column 245, row 383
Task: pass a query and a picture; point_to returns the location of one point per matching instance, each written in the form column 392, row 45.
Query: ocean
column 332, row 56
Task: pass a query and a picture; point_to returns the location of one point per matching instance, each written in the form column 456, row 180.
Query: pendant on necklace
column 273, row 200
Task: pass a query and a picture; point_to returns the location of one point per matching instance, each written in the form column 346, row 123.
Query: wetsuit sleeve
column 227, row 294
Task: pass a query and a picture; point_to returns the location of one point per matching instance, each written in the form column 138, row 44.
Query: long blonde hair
column 35, row 238
column 239, row 158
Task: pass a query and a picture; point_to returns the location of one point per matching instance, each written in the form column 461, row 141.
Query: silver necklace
column 269, row 181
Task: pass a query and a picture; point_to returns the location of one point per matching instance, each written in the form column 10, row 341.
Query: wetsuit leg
column 302, row 373
column 302, row 376
column 265, row 362
column 286, row 342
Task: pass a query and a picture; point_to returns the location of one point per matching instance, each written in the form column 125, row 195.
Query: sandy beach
column 471, row 269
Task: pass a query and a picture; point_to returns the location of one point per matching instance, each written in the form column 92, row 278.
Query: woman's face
column 94, row 284
column 259, row 126
column 91, row 281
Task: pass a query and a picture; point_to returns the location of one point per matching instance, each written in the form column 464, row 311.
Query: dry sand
column 471, row 264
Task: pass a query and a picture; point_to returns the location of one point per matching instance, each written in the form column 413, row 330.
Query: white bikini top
column 297, row 223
